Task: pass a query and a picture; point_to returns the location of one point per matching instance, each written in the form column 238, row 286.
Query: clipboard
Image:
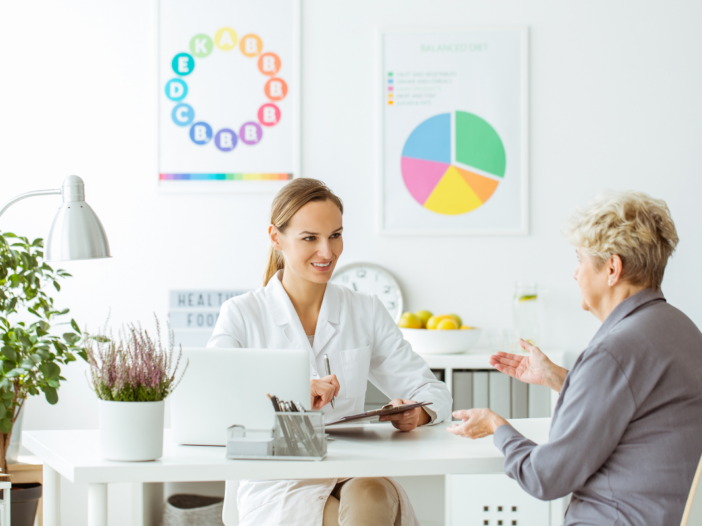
column 376, row 413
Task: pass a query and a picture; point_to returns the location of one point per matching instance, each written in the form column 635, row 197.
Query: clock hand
column 354, row 286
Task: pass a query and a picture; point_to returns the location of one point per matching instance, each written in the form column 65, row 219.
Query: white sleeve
column 400, row 372
column 229, row 329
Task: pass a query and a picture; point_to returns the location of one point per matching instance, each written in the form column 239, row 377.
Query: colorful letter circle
column 225, row 140
column 250, row 133
column 183, row 114
column 200, row 133
column 269, row 114
column 176, row 89
column 183, row 64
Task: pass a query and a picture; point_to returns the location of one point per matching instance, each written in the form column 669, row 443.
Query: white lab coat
column 363, row 343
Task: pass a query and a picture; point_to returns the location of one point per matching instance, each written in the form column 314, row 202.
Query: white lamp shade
column 76, row 232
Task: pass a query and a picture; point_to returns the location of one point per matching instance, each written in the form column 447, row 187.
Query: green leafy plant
column 31, row 354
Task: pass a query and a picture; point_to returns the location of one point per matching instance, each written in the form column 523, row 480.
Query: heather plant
column 31, row 353
column 135, row 367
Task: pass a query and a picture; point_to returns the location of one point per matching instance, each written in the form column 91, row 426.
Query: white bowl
column 456, row 341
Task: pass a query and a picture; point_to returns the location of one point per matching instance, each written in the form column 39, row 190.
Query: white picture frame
column 294, row 97
column 519, row 227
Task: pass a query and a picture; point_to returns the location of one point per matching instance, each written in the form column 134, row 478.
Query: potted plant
column 31, row 354
column 132, row 376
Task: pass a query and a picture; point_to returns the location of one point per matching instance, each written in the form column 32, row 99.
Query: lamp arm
column 57, row 191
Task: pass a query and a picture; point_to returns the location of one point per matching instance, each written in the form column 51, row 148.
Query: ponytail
column 275, row 263
column 286, row 203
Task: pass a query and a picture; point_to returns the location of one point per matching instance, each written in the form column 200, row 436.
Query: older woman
column 626, row 434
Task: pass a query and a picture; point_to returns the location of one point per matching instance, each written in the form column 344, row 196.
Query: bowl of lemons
column 443, row 334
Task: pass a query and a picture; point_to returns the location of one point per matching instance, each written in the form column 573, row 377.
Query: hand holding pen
column 323, row 391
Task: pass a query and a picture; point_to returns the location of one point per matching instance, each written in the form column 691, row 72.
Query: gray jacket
column 626, row 435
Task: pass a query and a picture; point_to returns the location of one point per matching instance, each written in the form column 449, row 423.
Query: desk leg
column 97, row 504
column 147, row 503
column 51, row 496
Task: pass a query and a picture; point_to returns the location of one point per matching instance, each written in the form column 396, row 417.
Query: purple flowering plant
column 135, row 367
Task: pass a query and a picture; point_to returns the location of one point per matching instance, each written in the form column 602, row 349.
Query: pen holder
column 295, row 436
column 300, row 436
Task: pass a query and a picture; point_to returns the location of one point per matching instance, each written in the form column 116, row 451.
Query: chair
column 692, row 516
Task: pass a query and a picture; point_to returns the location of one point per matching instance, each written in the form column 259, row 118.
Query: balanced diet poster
column 228, row 94
column 454, row 132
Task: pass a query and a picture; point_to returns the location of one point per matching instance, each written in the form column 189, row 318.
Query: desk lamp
column 76, row 232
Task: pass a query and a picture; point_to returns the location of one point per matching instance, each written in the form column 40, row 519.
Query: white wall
column 614, row 104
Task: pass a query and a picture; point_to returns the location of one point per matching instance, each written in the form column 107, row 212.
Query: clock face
column 372, row 279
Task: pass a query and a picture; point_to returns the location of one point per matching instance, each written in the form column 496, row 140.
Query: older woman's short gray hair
column 632, row 225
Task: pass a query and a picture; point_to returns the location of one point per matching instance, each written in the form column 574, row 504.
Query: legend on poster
column 454, row 132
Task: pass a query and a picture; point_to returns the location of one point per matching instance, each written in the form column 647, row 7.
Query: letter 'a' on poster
column 453, row 109
column 228, row 95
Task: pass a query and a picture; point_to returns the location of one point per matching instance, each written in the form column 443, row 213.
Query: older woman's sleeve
column 595, row 410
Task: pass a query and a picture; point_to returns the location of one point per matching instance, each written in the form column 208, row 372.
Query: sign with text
column 201, row 299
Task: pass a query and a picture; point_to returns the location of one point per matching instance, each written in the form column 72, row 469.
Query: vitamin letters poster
column 228, row 93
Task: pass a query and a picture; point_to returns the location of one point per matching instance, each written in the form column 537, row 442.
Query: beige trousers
column 365, row 501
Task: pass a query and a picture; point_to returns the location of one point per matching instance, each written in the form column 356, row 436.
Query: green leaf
column 71, row 337
column 3, row 411
column 53, row 382
column 17, row 371
column 57, row 286
column 54, row 370
column 10, row 353
column 27, row 364
column 51, row 396
column 6, row 425
column 75, row 326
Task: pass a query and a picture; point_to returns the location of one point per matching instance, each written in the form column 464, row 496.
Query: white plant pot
column 131, row 431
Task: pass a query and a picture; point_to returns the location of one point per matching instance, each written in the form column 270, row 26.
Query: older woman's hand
column 477, row 423
column 533, row 369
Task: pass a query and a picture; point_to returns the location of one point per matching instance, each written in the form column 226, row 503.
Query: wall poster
column 454, row 123
column 228, row 94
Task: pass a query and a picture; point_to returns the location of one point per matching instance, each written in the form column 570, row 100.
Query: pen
column 326, row 366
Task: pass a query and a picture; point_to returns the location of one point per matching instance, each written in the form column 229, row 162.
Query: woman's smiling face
column 312, row 242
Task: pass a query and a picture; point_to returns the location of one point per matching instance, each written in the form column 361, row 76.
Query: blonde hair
column 636, row 227
column 286, row 203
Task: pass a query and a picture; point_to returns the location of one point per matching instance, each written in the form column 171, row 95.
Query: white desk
column 364, row 451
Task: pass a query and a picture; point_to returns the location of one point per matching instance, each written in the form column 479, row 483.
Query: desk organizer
column 295, row 436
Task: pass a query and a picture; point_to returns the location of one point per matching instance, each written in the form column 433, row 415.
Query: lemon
column 433, row 322
column 529, row 297
column 410, row 321
column 447, row 324
column 423, row 316
column 467, row 328
column 457, row 319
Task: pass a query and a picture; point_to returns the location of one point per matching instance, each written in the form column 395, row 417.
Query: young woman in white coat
column 299, row 308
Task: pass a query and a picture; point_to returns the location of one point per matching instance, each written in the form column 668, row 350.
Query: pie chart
column 453, row 173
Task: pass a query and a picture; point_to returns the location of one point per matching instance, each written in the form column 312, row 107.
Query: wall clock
column 372, row 279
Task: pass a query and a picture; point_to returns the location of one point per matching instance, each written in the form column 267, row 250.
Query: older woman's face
column 592, row 282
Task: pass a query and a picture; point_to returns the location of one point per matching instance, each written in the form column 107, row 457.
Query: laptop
column 224, row 387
